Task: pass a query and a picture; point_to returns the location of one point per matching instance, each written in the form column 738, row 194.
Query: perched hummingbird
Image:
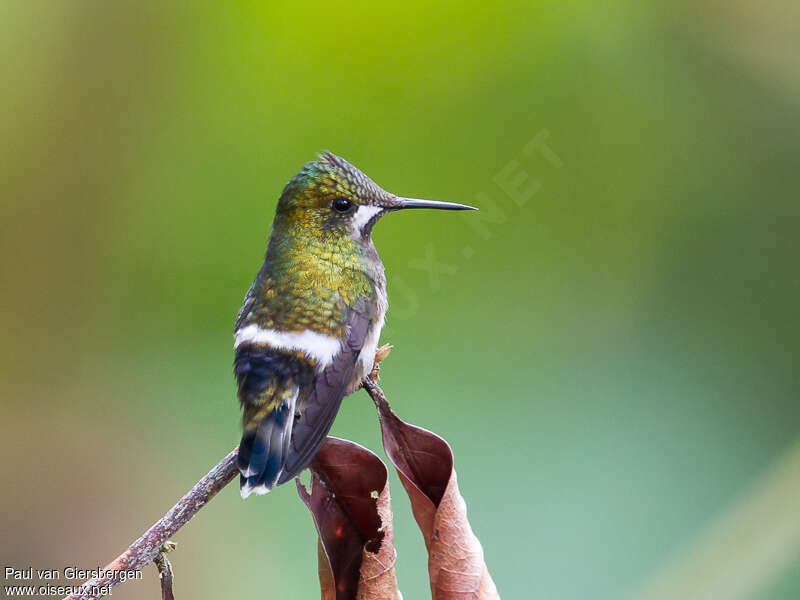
column 308, row 330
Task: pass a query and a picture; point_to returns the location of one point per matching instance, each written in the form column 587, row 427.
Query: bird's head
column 331, row 197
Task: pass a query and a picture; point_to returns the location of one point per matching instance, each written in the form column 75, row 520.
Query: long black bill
column 415, row 203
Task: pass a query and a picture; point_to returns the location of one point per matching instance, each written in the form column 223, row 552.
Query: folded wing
column 318, row 409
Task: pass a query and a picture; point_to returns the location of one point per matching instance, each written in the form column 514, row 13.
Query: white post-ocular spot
column 363, row 215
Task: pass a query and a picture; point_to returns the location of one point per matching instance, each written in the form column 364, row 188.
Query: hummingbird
column 307, row 331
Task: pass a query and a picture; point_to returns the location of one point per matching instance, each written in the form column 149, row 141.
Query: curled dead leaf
column 349, row 501
column 424, row 463
column 382, row 352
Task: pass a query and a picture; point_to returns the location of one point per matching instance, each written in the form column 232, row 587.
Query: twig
column 146, row 549
column 375, row 392
column 165, row 570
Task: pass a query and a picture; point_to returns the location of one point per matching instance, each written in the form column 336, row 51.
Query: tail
column 264, row 448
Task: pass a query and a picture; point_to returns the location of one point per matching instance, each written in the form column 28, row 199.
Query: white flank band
column 318, row 346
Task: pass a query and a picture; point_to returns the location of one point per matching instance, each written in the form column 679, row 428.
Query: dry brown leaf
column 424, row 462
column 382, row 353
column 350, row 504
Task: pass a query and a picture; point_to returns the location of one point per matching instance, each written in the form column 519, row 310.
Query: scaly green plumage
column 308, row 283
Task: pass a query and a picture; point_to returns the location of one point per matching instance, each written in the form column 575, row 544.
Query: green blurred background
column 614, row 360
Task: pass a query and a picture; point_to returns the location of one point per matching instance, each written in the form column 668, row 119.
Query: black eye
column 342, row 205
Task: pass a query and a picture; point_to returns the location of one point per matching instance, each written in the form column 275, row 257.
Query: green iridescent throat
column 310, row 276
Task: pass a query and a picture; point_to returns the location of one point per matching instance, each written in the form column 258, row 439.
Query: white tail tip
column 259, row 490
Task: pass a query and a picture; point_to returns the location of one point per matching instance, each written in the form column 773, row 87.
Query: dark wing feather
column 329, row 387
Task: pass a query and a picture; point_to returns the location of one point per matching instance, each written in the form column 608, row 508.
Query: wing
column 319, row 408
column 270, row 382
column 247, row 304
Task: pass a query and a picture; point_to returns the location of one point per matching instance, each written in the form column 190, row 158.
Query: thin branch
column 165, row 570
column 375, row 392
column 147, row 547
